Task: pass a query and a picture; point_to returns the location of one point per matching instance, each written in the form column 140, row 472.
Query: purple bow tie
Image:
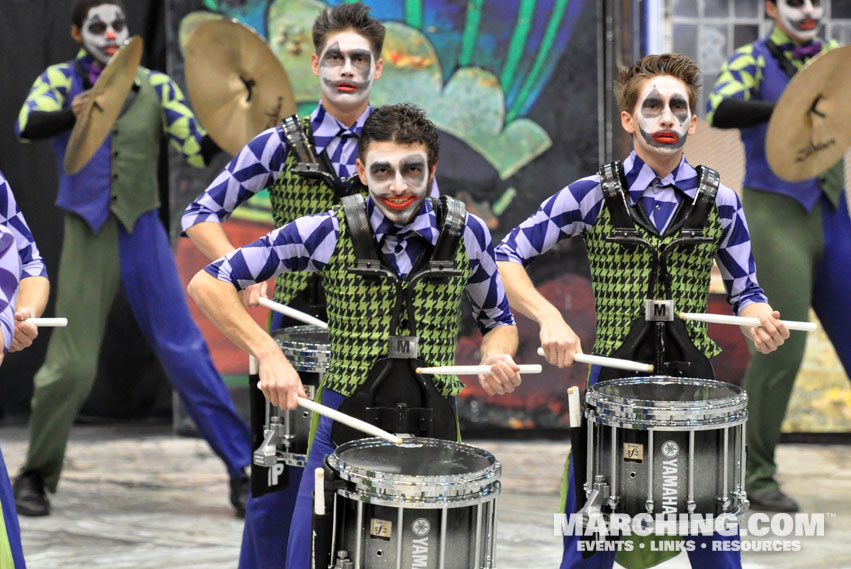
column 809, row 50
column 94, row 72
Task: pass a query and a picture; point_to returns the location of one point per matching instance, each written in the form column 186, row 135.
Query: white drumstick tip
column 319, row 492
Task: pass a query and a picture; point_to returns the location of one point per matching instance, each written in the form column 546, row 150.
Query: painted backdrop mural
column 511, row 84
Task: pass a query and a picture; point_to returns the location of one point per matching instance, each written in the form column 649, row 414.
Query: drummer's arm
column 532, row 238
column 744, row 294
column 218, row 299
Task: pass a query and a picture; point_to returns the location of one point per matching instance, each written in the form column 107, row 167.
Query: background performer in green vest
column 797, row 228
column 115, row 240
column 397, row 159
column 657, row 97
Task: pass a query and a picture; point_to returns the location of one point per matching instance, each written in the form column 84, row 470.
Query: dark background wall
column 33, row 35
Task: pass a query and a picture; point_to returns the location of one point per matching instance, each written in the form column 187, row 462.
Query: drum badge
column 420, row 527
column 633, row 452
column 381, row 528
column 670, row 449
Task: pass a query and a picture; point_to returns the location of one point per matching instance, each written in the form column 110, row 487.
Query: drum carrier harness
column 659, row 337
column 394, row 396
column 298, row 136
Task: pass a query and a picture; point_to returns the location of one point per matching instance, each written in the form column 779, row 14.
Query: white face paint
column 398, row 178
column 103, row 31
column 800, row 18
column 663, row 115
column 346, row 70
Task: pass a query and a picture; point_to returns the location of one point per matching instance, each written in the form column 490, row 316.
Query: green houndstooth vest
column 293, row 196
column 621, row 280
column 359, row 312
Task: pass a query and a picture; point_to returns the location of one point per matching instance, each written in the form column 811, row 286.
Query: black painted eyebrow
column 376, row 165
column 414, row 161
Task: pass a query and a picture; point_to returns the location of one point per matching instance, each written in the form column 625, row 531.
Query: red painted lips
column 666, row 137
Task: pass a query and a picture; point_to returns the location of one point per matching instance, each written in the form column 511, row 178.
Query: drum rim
column 634, row 413
column 378, row 487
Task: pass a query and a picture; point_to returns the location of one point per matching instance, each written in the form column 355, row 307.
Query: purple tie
column 805, row 51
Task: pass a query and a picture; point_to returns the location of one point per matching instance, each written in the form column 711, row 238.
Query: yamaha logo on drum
column 421, row 527
column 670, row 449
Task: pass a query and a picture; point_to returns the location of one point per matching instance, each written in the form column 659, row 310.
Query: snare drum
column 665, row 445
column 426, row 503
column 308, row 350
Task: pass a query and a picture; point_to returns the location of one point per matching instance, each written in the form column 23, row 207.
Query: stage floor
column 137, row 497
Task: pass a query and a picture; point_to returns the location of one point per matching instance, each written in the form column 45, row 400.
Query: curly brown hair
column 403, row 123
column 630, row 80
column 347, row 16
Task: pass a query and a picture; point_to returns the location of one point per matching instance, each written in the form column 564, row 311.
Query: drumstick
column 608, row 362
column 48, row 322
column 352, row 422
column 292, row 312
column 573, row 407
column 319, row 491
column 744, row 321
column 474, row 370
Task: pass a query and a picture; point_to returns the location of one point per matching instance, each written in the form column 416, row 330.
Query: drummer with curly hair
column 394, row 267
column 653, row 226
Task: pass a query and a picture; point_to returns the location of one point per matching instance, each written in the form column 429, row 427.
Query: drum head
column 419, row 472
column 421, row 457
column 670, row 389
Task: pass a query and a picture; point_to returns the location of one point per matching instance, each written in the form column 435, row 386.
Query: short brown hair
column 347, row 16
column 629, row 81
column 402, row 123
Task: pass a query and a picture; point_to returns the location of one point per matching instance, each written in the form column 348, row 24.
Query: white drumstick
column 352, row 422
column 292, row 312
column 48, row 322
column 616, row 363
column 319, row 492
column 573, row 406
column 474, row 370
column 744, row 321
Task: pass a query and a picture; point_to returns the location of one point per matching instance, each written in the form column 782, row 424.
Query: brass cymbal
column 237, row 86
column 810, row 128
column 106, row 99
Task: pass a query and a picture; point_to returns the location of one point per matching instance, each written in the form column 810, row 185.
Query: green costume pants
column 802, row 259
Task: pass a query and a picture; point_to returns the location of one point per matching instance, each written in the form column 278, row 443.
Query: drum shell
column 308, row 350
column 386, row 515
column 705, row 460
column 391, row 537
column 667, row 445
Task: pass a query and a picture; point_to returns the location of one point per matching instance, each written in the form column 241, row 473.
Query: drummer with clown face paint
column 367, row 307
column 801, row 231
column 114, row 241
column 638, row 249
column 347, row 61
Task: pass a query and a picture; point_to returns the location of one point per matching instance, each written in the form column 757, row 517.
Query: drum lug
column 649, row 505
column 691, row 506
column 597, row 497
column 266, row 453
column 343, row 561
column 724, row 503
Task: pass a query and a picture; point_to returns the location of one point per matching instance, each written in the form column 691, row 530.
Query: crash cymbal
column 106, row 100
column 810, row 128
column 237, row 86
